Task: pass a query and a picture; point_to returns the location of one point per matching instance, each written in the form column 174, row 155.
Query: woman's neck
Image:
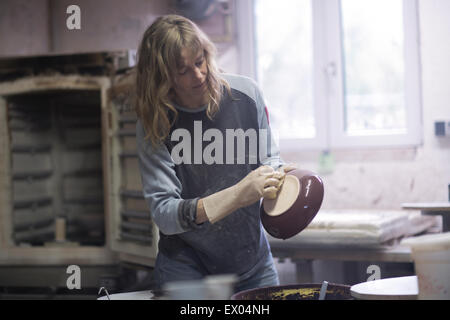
column 190, row 103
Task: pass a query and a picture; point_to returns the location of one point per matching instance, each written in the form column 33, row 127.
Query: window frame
column 328, row 95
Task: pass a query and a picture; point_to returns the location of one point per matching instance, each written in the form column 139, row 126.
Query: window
column 284, row 66
column 372, row 41
column 336, row 73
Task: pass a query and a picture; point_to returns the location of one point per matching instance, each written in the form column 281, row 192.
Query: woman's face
column 190, row 79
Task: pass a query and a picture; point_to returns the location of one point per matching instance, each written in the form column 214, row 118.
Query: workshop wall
column 39, row 27
column 369, row 178
column 24, row 27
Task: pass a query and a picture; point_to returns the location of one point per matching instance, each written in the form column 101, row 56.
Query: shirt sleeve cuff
column 187, row 214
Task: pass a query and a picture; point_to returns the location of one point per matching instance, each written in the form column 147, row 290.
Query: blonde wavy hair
column 158, row 55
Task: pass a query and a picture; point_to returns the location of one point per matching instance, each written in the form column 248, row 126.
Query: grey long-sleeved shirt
column 201, row 157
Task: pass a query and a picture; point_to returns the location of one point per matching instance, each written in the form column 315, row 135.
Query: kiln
column 70, row 189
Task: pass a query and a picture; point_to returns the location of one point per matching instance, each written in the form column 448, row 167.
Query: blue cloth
column 263, row 274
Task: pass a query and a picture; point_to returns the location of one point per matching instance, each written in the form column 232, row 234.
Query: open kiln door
column 133, row 235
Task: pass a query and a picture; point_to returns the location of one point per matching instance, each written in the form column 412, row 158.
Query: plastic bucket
column 431, row 255
column 213, row 287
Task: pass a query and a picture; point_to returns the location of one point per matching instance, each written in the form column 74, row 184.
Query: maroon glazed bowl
column 296, row 205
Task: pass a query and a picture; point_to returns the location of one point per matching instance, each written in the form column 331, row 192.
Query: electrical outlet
column 442, row 128
column 439, row 128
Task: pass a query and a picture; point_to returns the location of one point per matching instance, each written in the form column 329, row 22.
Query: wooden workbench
column 340, row 253
column 303, row 256
column 428, row 206
column 432, row 209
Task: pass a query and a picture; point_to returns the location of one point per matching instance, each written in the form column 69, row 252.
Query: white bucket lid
column 431, row 242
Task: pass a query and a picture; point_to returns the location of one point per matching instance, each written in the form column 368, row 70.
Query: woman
column 203, row 188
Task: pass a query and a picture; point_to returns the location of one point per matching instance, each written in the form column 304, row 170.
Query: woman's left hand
column 288, row 167
column 280, row 174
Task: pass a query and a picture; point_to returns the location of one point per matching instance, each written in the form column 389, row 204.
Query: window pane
column 374, row 66
column 285, row 64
